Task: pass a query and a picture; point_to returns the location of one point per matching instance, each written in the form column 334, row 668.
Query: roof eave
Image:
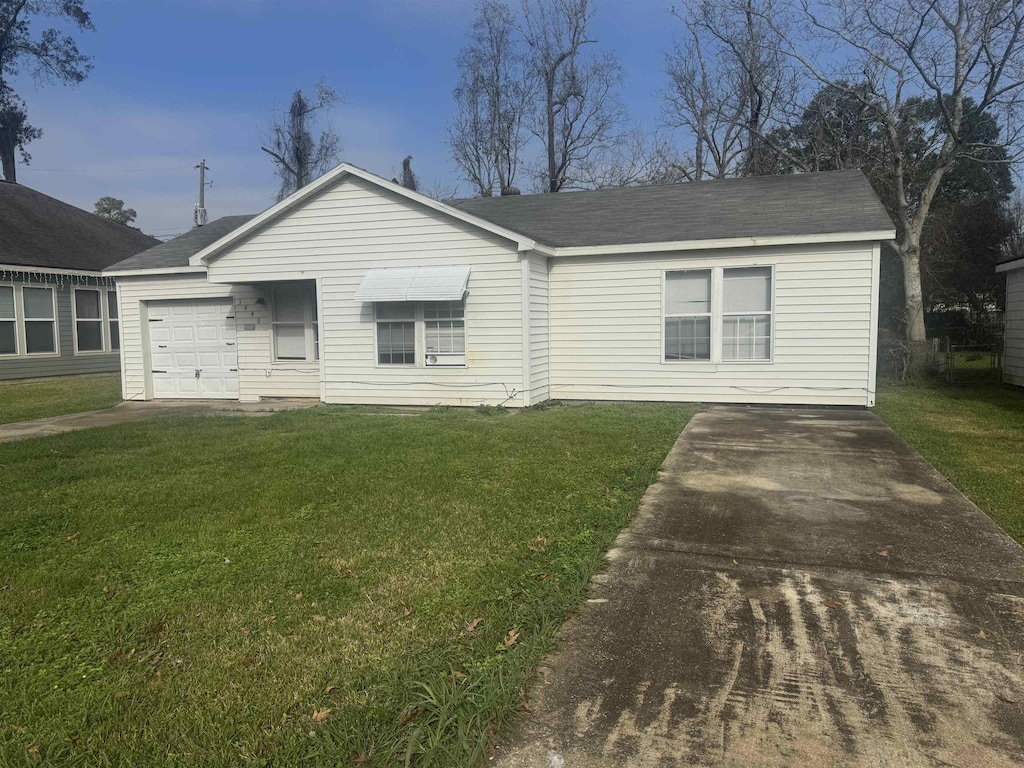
column 203, row 257
column 158, row 271
column 728, row 242
column 1009, row 266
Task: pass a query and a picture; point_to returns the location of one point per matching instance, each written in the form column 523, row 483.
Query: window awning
column 414, row 284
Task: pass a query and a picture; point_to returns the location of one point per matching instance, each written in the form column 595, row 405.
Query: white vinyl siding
column 607, row 338
column 354, row 226
column 1013, row 339
column 258, row 375
column 537, row 297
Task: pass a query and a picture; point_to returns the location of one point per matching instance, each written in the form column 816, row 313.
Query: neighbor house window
column 88, row 316
column 8, row 322
column 113, row 321
column 294, row 323
column 688, row 315
column 445, row 327
column 747, row 313
column 40, row 320
column 396, row 333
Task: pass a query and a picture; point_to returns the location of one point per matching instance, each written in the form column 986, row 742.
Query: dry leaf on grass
column 471, row 627
column 410, row 714
column 298, row 596
column 33, row 750
column 319, row 715
column 833, row 603
column 538, row 544
column 981, row 635
column 330, row 688
column 72, row 537
column 511, row 637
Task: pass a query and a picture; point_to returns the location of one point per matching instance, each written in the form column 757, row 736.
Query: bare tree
column 728, row 82
column 965, row 57
column 580, row 113
column 298, row 157
column 493, row 96
column 638, row 160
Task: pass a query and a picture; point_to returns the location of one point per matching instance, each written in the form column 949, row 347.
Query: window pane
column 747, row 290
column 395, row 310
column 39, row 338
column 87, row 305
column 443, row 310
column 7, row 302
column 396, row 343
column 115, row 336
column 688, row 292
column 90, row 336
column 446, row 336
column 746, row 337
column 688, row 338
column 38, row 303
column 290, row 300
column 112, row 305
column 290, row 342
column 8, row 344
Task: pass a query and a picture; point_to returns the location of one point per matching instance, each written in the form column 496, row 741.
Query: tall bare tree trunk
column 549, row 95
column 909, row 248
column 10, row 167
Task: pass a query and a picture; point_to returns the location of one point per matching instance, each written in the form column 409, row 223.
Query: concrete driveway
column 799, row 588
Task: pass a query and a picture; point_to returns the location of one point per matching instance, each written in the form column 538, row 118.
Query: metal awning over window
column 414, row 284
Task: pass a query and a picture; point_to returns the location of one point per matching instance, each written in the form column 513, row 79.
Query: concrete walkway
column 800, row 588
column 126, row 412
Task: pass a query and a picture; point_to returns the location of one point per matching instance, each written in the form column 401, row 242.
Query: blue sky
column 179, row 80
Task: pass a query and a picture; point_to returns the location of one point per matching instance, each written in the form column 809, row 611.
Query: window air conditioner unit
column 438, row 359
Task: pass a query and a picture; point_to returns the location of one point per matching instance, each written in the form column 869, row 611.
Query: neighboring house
column 357, row 290
column 1013, row 332
column 58, row 314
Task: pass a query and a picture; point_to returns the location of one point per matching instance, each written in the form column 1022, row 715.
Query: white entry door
column 192, row 346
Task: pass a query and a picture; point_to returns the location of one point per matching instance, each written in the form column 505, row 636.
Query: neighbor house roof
column 176, row 253
column 39, row 231
column 751, row 207
column 808, row 207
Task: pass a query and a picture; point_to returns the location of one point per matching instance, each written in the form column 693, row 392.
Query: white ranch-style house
column 357, row 290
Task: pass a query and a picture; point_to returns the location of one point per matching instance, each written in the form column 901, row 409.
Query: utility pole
column 200, row 213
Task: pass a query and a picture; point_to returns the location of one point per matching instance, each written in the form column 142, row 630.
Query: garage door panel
column 192, row 349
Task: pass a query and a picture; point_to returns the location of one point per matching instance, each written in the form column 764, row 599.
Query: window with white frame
column 396, row 333
column 747, row 313
column 431, row 333
column 445, row 327
column 294, row 323
column 113, row 321
column 40, row 318
column 8, row 321
column 688, row 315
column 88, row 317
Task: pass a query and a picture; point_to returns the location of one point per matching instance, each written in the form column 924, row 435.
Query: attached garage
column 192, row 348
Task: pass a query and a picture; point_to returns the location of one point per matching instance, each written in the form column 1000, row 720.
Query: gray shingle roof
column 37, row 230
column 759, row 206
column 177, row 252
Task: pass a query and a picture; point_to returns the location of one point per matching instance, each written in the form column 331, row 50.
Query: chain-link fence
column 971, row 363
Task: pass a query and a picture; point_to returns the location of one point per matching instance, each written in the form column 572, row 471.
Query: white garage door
column 192, row 344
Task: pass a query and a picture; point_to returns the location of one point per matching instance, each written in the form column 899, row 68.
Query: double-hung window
column 95, row 318
column 88, row 320
column 688, row 315
column 39, row 313
column 723, row 314
column 396, row 333
column 294, row 323
column 445, row 326
column 747, row 313
column 8, row 321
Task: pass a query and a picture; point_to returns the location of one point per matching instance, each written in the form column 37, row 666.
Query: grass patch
column 25, row 400
column 974, row 435
column 318, row 586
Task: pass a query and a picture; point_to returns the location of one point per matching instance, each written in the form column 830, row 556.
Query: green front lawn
column 38, row 398
column 974, row 435
column 330, row 586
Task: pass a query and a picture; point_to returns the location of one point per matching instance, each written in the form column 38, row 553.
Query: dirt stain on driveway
column 849, row 607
